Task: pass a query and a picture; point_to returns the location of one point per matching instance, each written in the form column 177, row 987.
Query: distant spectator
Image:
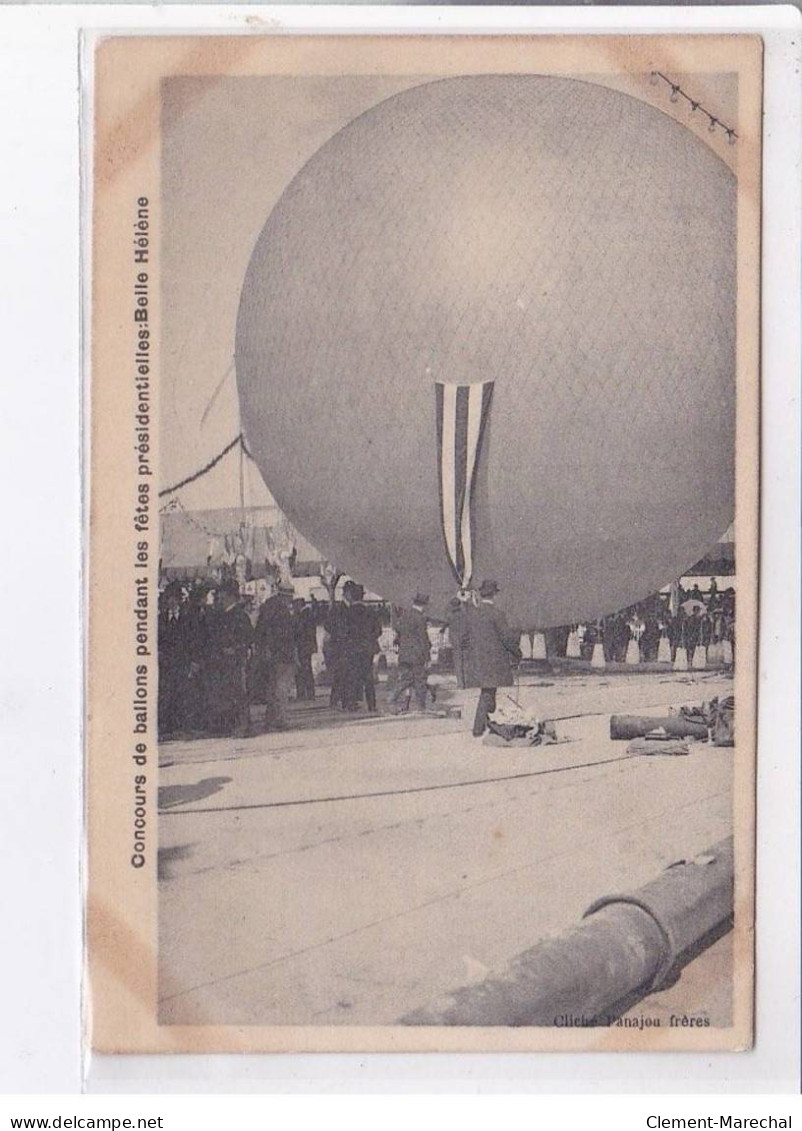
column 305, row 628
column 692, row 633
column 413, row 653
column 275, row 644
column 360, row 645
column 229, row 639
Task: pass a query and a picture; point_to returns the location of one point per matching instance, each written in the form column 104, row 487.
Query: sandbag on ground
column 636, row 726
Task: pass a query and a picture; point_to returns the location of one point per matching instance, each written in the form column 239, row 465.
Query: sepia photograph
column 424, row 520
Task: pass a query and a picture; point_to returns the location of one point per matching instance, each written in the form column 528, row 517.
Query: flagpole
column 241, row 474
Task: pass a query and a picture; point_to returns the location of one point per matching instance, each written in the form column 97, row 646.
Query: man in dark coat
column 360, row 644
column 712, row 594
column 493, row 649
column 305, row 626
column 334, row 650
column 650, row 640
column 594, row 634
column 413, row 653
column 610, row 637
column 275, row 644
column 197, row 614
column 174, row 661
column 674, row 627
column 622, row 637
column 692, row 633
column 229, row 639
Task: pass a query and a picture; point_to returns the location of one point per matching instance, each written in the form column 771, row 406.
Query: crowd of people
column 220, row 654
column 696, row 620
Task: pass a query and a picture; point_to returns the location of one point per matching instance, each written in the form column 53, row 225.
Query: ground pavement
column 351, row 873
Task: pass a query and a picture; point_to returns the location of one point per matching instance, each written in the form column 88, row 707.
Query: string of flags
column 274, row 544
column 175, row 504
column 694, row 105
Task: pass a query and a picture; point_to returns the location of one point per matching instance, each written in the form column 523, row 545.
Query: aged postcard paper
column 423, row 542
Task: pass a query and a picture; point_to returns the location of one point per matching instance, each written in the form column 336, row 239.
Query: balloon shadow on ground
column 172, row 795
column 168, row 856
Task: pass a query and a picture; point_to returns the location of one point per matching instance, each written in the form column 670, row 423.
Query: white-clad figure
column 538, row 646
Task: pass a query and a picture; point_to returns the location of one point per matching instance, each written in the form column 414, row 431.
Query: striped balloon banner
column 462, row 414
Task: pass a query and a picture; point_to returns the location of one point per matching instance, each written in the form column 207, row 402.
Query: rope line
column 396, row 792
column 238, row 441
column 394, row 916
column 217, row 391
column 678, row 92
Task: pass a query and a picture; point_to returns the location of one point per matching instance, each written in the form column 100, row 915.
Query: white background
column 41, row 575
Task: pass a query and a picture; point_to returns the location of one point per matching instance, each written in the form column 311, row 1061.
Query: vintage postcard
column 423, row 500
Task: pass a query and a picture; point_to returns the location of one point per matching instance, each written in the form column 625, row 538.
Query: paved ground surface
column 352, row 870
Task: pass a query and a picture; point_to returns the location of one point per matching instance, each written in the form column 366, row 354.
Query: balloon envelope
column 569, row 242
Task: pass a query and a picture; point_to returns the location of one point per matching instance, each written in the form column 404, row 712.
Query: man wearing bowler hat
column 360, row 645
column 493, row 650
column 413, row 653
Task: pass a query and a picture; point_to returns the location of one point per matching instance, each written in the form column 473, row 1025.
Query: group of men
column 214, row 661
column 486, row 649
column 352, row 641
column 699, row 620
column 700, row 627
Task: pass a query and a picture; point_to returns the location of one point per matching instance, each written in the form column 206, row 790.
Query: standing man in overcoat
column 360, row 645
column 305, row 627
column 334, row 647
column 413, row 653
column 229, row 641
column 275, row 643
column 692, row 633
column 174, row 661
column 493, row 651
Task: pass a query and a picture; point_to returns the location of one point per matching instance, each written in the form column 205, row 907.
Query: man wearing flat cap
column 493, row 650
column 413, row 653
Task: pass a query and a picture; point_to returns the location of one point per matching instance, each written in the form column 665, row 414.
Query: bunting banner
column 462, row 415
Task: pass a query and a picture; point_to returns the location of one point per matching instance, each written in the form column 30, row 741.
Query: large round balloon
column 569, row 243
